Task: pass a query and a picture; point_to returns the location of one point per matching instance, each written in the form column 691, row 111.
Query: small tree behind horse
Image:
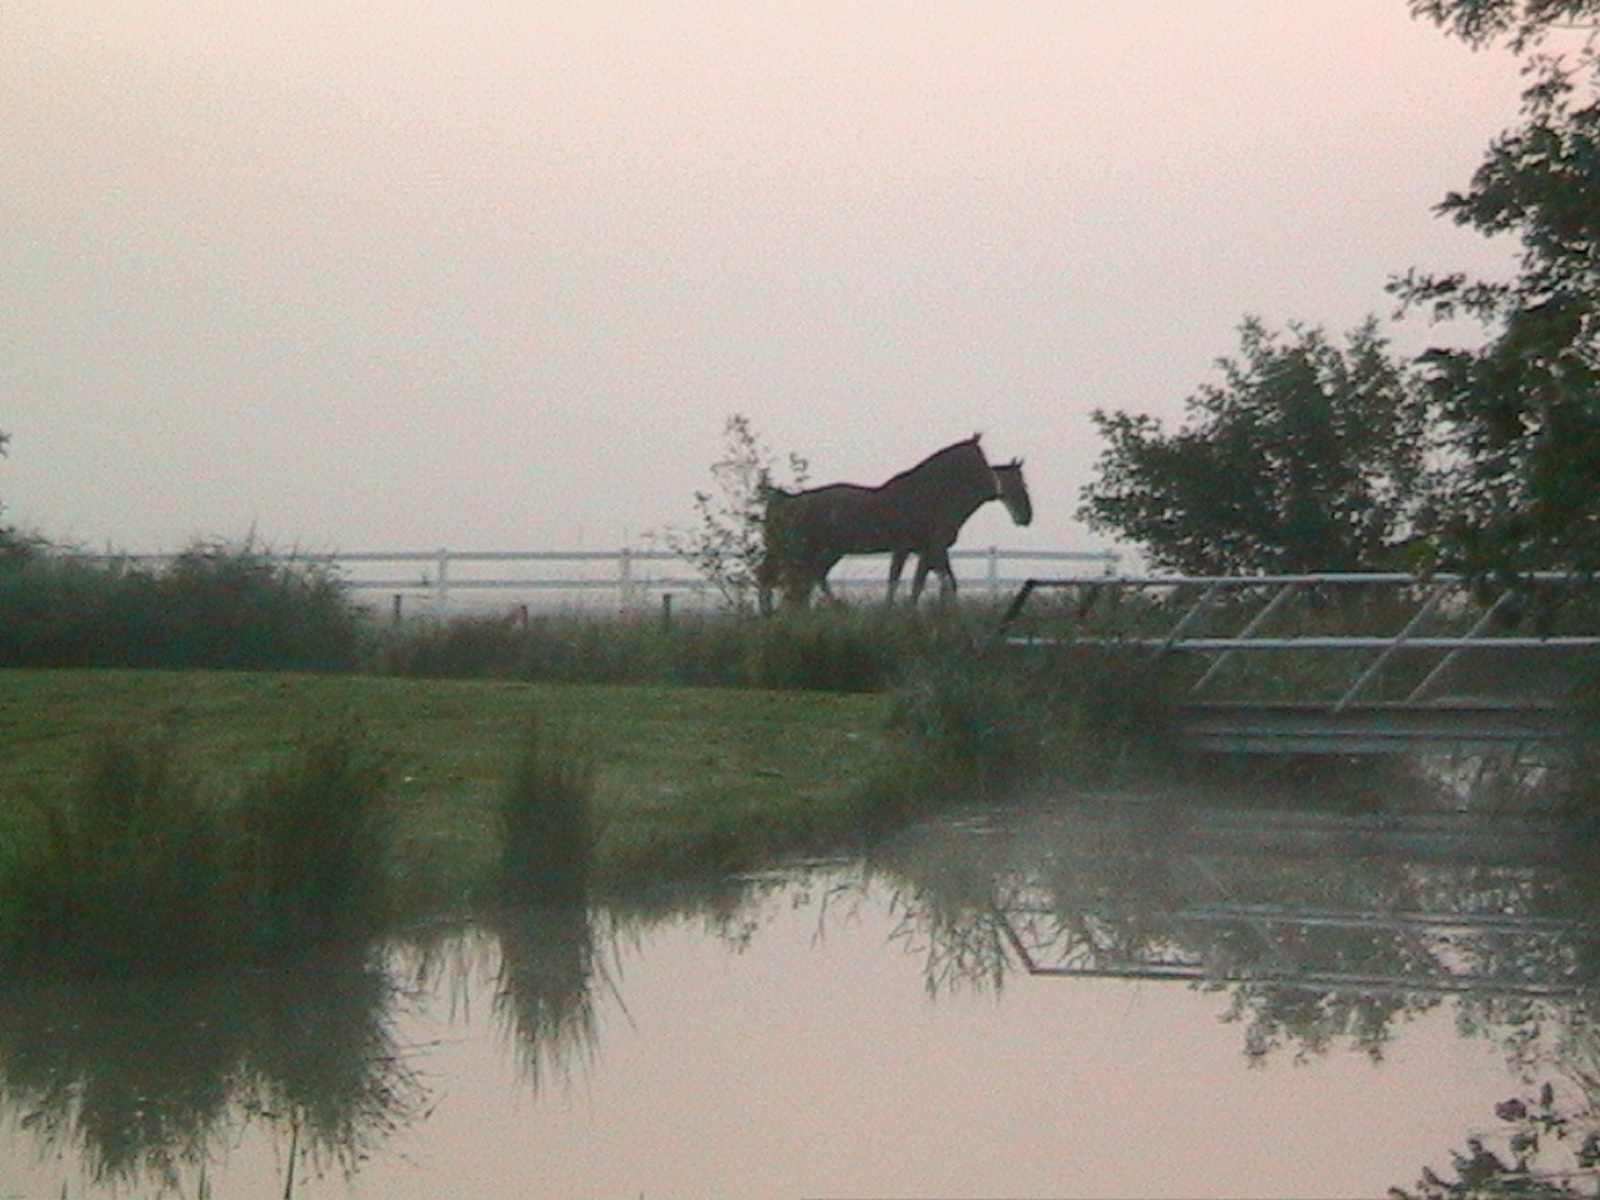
column 920, row 511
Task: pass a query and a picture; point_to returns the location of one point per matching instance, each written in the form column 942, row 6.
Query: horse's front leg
column 897, row 564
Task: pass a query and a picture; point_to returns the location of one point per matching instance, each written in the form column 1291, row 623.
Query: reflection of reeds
column 545, row 989
column 546, row 853
column 146, row 1079
column 541, row 967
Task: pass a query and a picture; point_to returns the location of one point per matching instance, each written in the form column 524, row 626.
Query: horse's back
column 846, row 518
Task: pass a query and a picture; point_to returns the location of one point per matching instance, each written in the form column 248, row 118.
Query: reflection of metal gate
column 1313, row 902
column 1391, row 683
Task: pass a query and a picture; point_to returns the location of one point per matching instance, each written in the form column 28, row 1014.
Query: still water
column 1108, row 999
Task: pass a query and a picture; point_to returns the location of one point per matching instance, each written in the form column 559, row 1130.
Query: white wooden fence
column 440, row 582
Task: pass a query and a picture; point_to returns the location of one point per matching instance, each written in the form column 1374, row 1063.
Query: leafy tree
column 1522, row 23
column 1523, row 409
column 727, row 542
column 1309, row 456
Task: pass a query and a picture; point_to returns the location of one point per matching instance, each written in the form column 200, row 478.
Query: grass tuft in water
column 137, row 873
column 547, row 829
column 123, row 877
column 314, row 837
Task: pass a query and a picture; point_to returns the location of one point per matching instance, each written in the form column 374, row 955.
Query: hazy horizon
column 390, row 276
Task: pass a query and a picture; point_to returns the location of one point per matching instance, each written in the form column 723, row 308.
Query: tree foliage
column 1524, row 407
column 1307, row 457
column 727, row 542
column 1521, row 23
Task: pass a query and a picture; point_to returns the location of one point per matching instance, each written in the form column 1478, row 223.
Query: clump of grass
column 546, row 819
column 122, row 878
column 139, row 873
column 313, row 842
column 975, row 719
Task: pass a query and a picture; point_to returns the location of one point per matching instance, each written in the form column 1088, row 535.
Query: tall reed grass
column 546, row 819
column 124, row 876
column 845, row 650
column 139, row 872
column 980, row 721
column 312, row 840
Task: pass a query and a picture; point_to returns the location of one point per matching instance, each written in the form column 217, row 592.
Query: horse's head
column 1013, row 491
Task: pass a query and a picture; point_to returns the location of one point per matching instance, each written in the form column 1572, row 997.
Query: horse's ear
column 1017, row 463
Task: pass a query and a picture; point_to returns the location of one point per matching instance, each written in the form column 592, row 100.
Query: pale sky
column 380, row 274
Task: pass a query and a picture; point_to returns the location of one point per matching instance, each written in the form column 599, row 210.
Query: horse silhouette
column 919, row 511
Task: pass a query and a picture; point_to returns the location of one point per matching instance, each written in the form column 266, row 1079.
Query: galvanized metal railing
column 1437, row 621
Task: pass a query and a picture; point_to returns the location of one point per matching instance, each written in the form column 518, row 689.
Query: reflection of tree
column 1323, row 929
column 146, row 1078
column 1314, row 1021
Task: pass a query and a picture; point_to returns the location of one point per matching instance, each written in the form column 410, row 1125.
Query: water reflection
column 1320, row 928
column 145, row 1081
column 1314, row 933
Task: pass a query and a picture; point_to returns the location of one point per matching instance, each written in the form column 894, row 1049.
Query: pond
column 1122, row 997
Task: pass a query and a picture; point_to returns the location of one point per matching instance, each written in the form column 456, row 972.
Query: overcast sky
column 381, row 274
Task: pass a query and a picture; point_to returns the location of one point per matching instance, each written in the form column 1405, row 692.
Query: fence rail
column 441, row 582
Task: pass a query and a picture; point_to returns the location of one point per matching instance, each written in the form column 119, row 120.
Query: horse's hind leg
column 920, row 580
column 938, row 562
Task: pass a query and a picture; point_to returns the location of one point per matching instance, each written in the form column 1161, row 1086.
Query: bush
column 239, row 607
column 211, row 606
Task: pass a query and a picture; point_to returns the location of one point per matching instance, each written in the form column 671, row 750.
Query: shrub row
column 846, row 651
column 211, row 606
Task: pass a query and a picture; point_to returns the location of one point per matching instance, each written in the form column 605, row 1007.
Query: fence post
column 625, row 578
column 994, row 571
column 441, row 584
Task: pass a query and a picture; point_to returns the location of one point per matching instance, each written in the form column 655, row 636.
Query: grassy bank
column 684, row 777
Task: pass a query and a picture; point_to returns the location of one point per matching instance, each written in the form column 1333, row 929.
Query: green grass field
column 689, row 779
